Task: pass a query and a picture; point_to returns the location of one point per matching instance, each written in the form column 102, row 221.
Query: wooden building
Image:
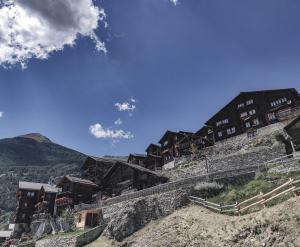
column 137, row 159
column 124, row 177
column 175, row 144
column 252, row 110
column 153, row 160
column 95, row 168
column 75, row 191
column 46, row 200
column 88, row 218
column 204, row 137
column 293, row 130
column 28, row 196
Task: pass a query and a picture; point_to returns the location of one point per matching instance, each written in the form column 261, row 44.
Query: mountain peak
column 37, row 137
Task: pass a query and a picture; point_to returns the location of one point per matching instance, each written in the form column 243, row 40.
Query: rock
column 132, row 216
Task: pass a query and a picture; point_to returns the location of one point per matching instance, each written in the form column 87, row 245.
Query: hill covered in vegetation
column 36, row 150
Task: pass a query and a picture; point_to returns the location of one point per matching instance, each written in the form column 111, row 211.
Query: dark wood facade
column 75, row 191
column 28, row 196
column 252, row 110
column 175, row 144
column 95, row 168
column 137, row 159
column 154, row 159
column 46, row 200
column 123, row 177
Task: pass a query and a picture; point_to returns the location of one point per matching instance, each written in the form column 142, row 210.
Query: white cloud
column 1, row 114
column 99, row 132
column 132, row 100
column 35, row 28
column 175, row 2
column 118, row 121
column 125, row 106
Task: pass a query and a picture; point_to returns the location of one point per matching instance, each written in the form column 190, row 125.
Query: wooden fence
column 259, row 200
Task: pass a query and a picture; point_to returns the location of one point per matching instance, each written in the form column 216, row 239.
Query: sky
column 109, row 77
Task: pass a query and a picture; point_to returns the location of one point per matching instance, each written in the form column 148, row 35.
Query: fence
column 259, row 200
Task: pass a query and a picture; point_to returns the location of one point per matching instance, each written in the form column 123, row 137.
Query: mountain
column 35, row 149
column 32, row 157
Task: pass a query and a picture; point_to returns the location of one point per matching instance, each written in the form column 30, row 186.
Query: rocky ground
column 197, row 226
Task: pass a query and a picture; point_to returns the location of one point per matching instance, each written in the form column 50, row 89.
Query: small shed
column 89, row 218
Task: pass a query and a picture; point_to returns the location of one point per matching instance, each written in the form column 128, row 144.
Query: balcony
column 64, row 201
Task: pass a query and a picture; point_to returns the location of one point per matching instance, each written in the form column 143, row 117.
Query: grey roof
column 50, row 189
column 5, row 234
column 30, row 185
column 80, row 180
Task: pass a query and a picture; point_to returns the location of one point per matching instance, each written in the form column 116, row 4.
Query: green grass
column 63, row 234
column 262, row 183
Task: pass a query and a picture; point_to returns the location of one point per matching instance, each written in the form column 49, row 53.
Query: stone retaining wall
column 71, row 241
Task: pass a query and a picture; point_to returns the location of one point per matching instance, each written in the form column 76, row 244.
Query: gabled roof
column 133, row 166
column 173, row 133
column 153, row 145
column 50, row 189
column 31, row 186
column 78, row 181
column 166, row 134
column 292, row 90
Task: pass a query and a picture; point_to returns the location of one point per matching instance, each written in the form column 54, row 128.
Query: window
column 252, row 112
column 165, row 143
column 255, row 122
column 231, row 131
column 248, row 125
column 244, row 114
column 271, row 116
column 249, row 102
column 278, row 101
column 220, row 134
column 240, row 105
column 30, row 194
column 219, row 123
column 225, row 121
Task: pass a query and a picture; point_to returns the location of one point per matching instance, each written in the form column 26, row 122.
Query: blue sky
column 180, row 63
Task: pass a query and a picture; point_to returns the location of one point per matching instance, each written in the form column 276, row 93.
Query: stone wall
column 89, row 236
column 71, row 241
column 127, row 217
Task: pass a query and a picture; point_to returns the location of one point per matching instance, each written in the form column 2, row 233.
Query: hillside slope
column 197, row 226
column 36, row 150
column 32, row 157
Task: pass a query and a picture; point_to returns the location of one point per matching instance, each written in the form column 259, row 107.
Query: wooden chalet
column 46, row 200
column 153, row 160
column 28, row 196
column 204, row 137
column 75, row 191
column 124, row 177
column 137, row 159
column 94, row 168
column 252, row 110
column 293, row 130
column 175, row 144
